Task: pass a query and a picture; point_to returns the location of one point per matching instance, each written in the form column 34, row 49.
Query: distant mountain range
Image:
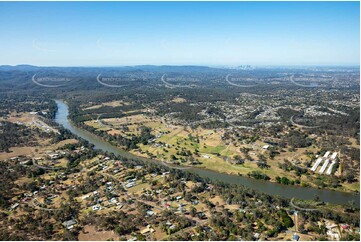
column 125, row 68
column 164, row 68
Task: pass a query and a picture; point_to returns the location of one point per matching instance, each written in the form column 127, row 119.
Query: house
column 14, row 206
column 206, row 229
column 70, row 223
column 26, row 162
column 54, row 156
column 345, row 226
column 96, row 207
column 110, row 188
column 147, row 230
column 295, row 237
column 52, row 196
column 150, row 213
column 129, row 185
column 330, row 226
column 201, row 215
column 195, row 202
column 333, row 234
column 182, row 209
column 28, row 195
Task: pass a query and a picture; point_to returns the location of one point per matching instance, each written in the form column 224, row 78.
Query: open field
column 90, row 233
column 207, row 148
column 37, row 150
column 110, row 104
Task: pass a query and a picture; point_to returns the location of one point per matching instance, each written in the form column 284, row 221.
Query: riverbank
column 305, row 193
column 207, row 148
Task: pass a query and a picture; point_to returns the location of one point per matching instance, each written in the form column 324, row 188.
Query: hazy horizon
column 195, row 65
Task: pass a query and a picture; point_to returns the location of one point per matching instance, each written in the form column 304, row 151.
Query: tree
column 193, row 211
column 285, row 181
column 287, row 221
column 238, row 159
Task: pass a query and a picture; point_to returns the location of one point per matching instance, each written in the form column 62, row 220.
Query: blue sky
column 196, row 33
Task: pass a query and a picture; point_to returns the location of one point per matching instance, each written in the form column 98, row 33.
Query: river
column 306, row 193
